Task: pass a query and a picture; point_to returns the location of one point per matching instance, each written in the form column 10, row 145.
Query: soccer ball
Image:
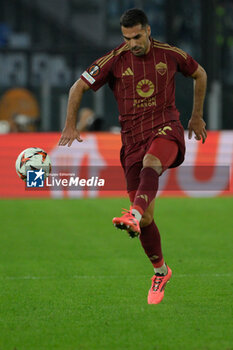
column 32, row 158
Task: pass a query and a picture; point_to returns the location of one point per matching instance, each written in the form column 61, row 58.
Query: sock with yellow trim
column 148, row 187
column 151, row 242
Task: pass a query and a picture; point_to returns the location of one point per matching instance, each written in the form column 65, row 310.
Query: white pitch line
column 213, row 275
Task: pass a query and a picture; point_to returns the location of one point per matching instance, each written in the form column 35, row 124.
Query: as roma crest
column 161, row 68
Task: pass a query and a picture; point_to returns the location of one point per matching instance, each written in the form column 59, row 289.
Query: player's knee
column 146, row 219
column 153, row 162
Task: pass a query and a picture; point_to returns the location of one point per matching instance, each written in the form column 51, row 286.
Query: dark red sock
column 148, row 187
column 151, row 242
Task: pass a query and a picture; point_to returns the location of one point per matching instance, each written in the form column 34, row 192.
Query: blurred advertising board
column 94, row 166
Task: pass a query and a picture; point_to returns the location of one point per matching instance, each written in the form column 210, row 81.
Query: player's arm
column 70, row 133
column 196, row 123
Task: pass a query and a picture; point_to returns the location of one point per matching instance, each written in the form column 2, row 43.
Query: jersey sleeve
column 99, row 72
column 186, row 64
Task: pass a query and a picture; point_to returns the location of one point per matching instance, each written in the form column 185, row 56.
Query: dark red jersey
column 144, row 86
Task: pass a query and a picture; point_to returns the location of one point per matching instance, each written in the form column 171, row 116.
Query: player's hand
column 68, row 136
column 197, row 125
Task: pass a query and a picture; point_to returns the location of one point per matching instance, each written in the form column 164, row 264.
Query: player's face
column 137, row 38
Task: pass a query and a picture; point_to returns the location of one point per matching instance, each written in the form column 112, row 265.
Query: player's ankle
column 136, row 214
column 162, row 269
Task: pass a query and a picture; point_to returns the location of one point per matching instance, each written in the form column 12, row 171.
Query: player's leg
column 150, row 237
column 127, row 221
column 151, row 242
column 160, row 156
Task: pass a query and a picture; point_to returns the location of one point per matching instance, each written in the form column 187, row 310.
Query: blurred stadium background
column 68, row 279
column 45, row 45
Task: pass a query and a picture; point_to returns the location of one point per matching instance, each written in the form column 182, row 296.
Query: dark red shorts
column 132, row 155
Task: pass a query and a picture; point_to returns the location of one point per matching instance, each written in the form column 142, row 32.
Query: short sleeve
column 98, row 73
column 186, row 64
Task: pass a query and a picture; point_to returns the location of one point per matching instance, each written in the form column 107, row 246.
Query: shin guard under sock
column 151, row 242
column 148, row 187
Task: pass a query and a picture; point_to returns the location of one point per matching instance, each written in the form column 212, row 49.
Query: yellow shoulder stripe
column 103, row 58
column 172, row 48
column 102, row 61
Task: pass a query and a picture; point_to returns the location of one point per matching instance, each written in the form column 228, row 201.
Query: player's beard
column 140, row 50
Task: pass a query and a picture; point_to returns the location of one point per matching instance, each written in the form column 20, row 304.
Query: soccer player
column 141, row 73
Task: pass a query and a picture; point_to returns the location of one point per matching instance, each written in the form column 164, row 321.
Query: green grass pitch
column 70, row 281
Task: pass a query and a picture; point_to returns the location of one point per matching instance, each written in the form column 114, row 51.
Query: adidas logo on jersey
column 127, row 72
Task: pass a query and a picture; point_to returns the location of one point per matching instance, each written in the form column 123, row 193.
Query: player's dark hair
column 133, row 17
